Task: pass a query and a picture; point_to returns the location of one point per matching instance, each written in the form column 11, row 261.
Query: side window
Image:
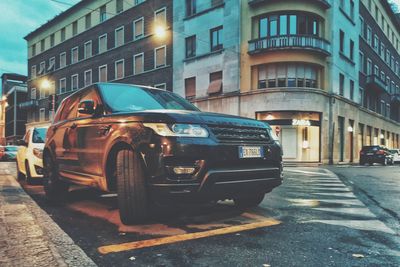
column 59, row 112
column 91, row 95
column 70, row 108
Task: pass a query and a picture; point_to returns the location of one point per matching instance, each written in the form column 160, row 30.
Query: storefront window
column 287, row 75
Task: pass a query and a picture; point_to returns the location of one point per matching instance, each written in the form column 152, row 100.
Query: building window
column 103, row 73
column 362, row 27
column 362, row 62
column 190, row 88
column 352, row 9
column 62, row 85
column 42, row 114
column 33, row 72
column 341, row 40
column 376, row 70
column 34, row 50
column 191, row 46
column 361, row 96
column 351, row 89
column 88, row 49
column 74, row 28
column 137, row 2
column 376, row 43
column 52, row 40
column 162, row 86
column 103, row 13
column 138, row 63
column 138, row 28
column 63, row 60
column 119, row 69
column 119, row 6
column 33, row 93
column 160, row 17
column 215, row 86
column 383, row 105
column 190, row 7
column 369, row 35
column 42, row 68
column 216, row 36
column 87, row 77
column 42, row 45
column 119, row 36
column 352, row 50
column 369, row 66
column 341, row 84
column 382, row 53
column 52, row 64
column 287, row 75
column 387, row 110
column 88, row 21
column 74, row 82
column 103, row 43
column 160, row 57
column 74, row 55
column 62, row 33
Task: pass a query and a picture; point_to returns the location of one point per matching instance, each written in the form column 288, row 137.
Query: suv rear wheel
column 131, row 188
column 249, row 201
column 56, row 189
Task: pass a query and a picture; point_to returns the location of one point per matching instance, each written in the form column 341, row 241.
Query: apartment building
column 301, row 71
column 99, row 41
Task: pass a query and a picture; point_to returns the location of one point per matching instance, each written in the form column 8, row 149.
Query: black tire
column 20, row 175
column 133, row 201
column 29, row 179
column 56, row 190
column 249, row 201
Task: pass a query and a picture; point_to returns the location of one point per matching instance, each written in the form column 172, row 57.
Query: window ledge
column 204, row 11
column 190, row 59
column 343, row 56
column 347, row 16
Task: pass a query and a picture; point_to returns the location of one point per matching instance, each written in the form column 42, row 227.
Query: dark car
column 151, row 145
column 10, row 153
column 375, row 154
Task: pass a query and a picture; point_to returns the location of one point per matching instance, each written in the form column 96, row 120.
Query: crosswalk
column 328, row 200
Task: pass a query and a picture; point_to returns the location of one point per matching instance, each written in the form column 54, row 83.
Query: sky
column 20, row 17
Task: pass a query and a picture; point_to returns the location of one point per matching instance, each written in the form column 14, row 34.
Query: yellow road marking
column 185, row 237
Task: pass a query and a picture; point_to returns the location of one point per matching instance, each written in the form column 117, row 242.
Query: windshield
column 126, row 98
column 39, row 135
column 11, row 148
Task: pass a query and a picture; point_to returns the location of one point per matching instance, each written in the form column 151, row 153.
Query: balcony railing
column 375, row 83
column 28, row 104
column 324, row 3
column 307, row 42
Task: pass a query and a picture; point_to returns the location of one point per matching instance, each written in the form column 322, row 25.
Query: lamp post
column 46, row 85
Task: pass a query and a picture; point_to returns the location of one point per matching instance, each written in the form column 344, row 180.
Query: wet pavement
column 314, row 219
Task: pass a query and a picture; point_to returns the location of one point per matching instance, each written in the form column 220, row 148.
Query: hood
column 184, row 116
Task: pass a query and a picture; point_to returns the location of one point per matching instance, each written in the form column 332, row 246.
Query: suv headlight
column 38, row 152
column 180, row 130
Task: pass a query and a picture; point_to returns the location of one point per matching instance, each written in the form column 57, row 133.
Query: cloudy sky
column 18, row 18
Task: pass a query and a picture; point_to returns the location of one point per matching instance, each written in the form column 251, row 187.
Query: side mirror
column 21, row 143
column 86, row 107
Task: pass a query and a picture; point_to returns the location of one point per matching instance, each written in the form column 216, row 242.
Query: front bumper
column 219, row 172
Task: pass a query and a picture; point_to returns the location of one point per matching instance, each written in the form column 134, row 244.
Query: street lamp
column 45, row 84
column 160, row 32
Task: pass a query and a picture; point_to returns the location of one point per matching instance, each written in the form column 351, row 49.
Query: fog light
column 184, row 170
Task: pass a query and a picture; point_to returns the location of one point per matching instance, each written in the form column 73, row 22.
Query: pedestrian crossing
column 327, row 200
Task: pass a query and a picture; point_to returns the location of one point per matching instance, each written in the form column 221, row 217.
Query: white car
column 30, row 153
column 396, row 155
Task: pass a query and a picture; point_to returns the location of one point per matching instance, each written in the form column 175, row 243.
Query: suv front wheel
column 249, row 201
column 131, row 188
column 56, row 189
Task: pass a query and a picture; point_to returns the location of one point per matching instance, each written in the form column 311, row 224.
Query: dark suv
column 375, row 154
column 150, row 145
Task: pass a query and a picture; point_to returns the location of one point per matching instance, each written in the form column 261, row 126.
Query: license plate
column 370, row 154
column 251, row 152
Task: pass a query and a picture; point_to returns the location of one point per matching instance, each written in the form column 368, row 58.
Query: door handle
column 73, row 126
column 104, row 129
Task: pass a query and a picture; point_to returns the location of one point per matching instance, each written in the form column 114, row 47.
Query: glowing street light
column 160, row 32
column 46, row 84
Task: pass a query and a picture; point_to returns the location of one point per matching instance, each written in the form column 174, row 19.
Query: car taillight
column 380, row 152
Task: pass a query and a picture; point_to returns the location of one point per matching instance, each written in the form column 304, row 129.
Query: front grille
column 240, row 134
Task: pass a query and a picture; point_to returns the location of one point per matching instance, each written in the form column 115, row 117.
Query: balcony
column 295, row 42
column 28, row 104
column 373, row 82
column 324, row 3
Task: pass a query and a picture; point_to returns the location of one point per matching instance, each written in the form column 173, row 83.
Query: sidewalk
column 28, row 236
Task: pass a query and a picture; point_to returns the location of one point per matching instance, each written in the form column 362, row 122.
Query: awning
column 215, row 87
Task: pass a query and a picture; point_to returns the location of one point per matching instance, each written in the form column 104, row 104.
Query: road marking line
column 185, row 237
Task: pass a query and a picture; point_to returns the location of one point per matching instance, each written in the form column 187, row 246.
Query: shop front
column 298, row 132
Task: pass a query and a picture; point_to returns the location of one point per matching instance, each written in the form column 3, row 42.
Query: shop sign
column 296, row 122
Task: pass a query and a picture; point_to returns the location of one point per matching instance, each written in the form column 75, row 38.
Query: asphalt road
column 314, row 219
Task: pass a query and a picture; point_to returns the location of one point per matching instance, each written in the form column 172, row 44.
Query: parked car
column 375, row 154
column 30, row 154
column 396, row 155
column 150, row 145
column 10, row 153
